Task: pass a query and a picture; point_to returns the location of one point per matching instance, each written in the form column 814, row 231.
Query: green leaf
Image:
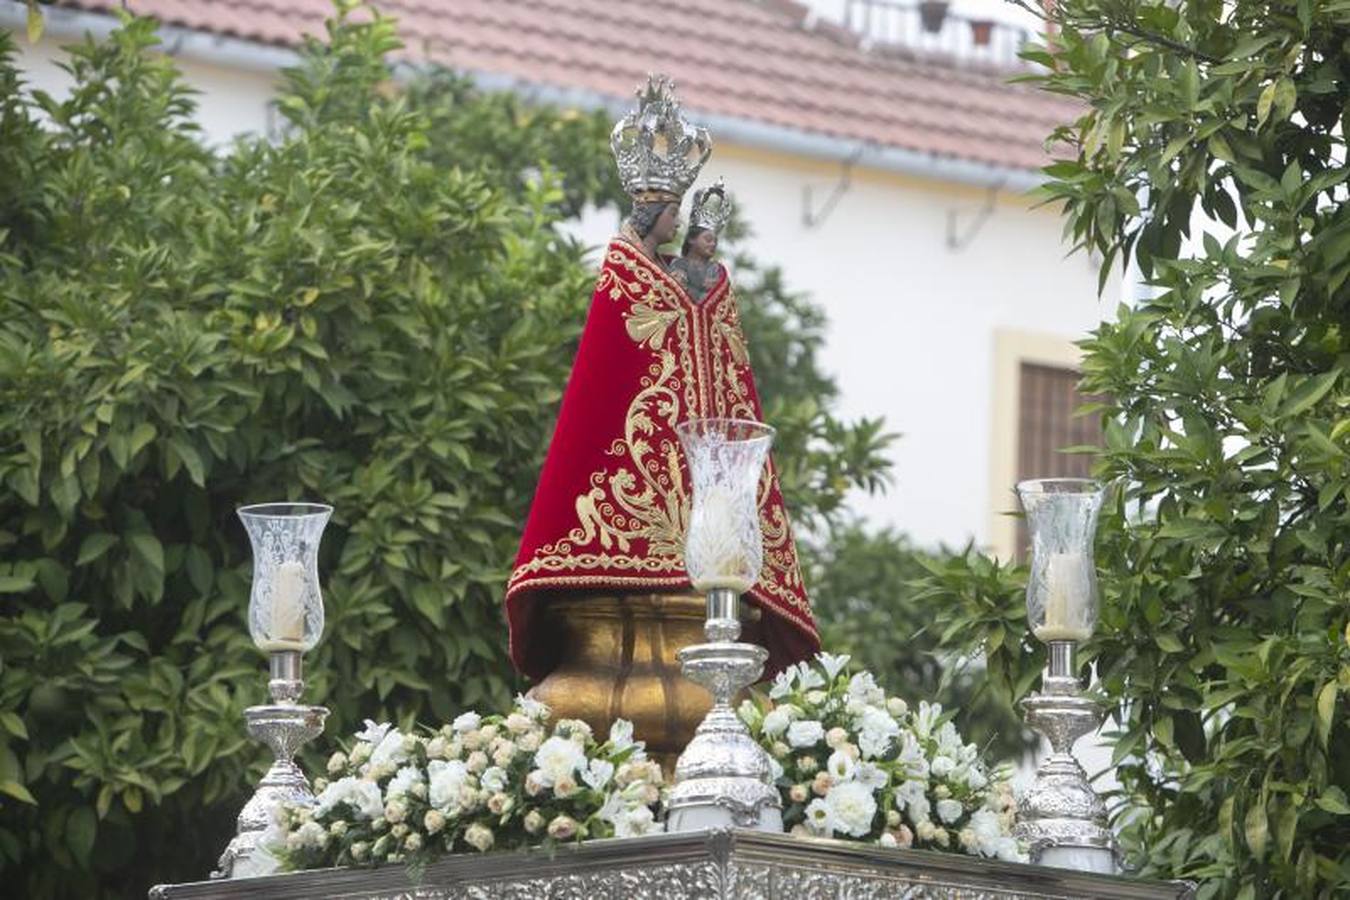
column 81, row 830
column 141, row 435
column 93, row 546
column 192, row 460
column 1308, row 392
column 1168, row 642
column 148, row 550
column 17, row 791
column 1326, row 710
column 16, row 584
column 13, row 724
column 1256, row 829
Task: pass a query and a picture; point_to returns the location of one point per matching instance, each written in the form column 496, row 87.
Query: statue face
column 667, row 224
column 704, row 244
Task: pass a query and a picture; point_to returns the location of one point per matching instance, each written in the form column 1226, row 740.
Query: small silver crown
column 712, row 208
column 659, row 154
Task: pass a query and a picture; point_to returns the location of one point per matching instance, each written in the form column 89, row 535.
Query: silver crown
column 711, row 208
column 659, row 154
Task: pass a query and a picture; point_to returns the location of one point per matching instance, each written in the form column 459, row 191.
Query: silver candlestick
column 284, row 726
column 723, row 777
column 1061, row 817
column 285, row 619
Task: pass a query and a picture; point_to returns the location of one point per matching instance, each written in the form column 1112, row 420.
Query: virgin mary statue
column 599, row 601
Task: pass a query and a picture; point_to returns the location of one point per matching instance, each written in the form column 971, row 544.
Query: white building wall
column 912, row 320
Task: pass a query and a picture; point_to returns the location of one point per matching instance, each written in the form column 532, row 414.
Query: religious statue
column 599, row 602
column 696, row 269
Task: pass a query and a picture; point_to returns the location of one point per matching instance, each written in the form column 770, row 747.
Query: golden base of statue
column 618, row 662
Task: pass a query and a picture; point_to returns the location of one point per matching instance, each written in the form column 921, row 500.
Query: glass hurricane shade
column 285, row 607
column 1061, row 516
column 724, row 547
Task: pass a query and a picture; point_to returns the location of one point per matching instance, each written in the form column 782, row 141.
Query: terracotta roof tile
column 750, row 59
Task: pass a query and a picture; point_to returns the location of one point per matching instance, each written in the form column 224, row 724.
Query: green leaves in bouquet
column 1210, row 152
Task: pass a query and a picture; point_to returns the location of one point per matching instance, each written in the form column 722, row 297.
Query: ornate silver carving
column 1061, row 809
column 659, row 154
column 708, row 865
column 284, row 727
column 711, row 208
column 723, row 776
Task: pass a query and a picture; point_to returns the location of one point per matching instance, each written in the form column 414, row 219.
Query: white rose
column 413, row 842
column 562, row 828
column 466, row 722
column 389, row 751
column 447, row 778
column 949, row 810
column 433, row 821
column 534, row 821
column 804, row 734
column 777, row 721
column 403, row 782
column 395, row 811
column 565, row 787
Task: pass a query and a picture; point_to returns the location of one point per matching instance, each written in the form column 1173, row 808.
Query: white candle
column 716, row 555
column 288, row 608
column 1066, row 584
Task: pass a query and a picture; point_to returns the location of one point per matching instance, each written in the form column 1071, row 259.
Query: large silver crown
column 712, row 208
column 659, row 154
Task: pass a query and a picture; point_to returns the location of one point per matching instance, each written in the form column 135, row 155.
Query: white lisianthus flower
column 876, row 730
column 913, row 762
column 863, row 690
column 436, row 748
column 466, row 722
column 871, row 776
column 782, row 683
column 942, row 766
column 621, row 734
column 925, row 720
column 777, row 722
column 913, row 796
column 840, row 766
column 360, row 850
column 505, row 752
column 977, row 780
column 558, row 757
column 532, row 708
column 534, row 782
column 832, row 664
column 494, row 779
column 373, row 733
column 804, row 734
column 403, row 782
column 808, row 678
column 598, row 774
column 446, row 778
column 749, row 713
column 985, row 825
column 949, row 810
column 479, row 837
column 852, row 808
column 389, row 751
column 637, row 821
column 819, row 818
column 775, row 769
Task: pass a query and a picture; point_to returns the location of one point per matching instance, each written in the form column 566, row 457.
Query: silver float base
column 703, row 865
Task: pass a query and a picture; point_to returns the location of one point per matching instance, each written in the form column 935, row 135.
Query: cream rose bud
column 896, row 707
column 479, row 837
column 320, row 785
column 562, row 828
column 359, row 850
column 892, row 818
column 798, row 793
column 650, row 794
column 433, row 821
column 926, row 831
column 410, row 743
column 471, row 740
column 489, row 732
column 500, row 804
column 534, row 821
column 887, row 839
column 565, row 786
column 294, row 842
column 942, row 837
column 338, row 828
column 836, row 737
column 413, row 842
column 807, row 765
column 337, row 762
column 534, row 783
column 436, row 748
column 504, row 753
column 821, row 785
column 395, row 812
column 419, row 790
column 949, row 811
column 529, row 742
column 477, row 762
column 815, row 698
column 360, row 753
column 942, row 792
column 904, row 837
column 968, row 839
column 399, row 831
column 781, row 749
column 518, row 724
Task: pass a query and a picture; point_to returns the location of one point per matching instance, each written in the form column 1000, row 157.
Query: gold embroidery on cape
column 643, row 496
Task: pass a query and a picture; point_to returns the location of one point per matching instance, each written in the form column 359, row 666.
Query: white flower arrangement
column 851, row 762
column 482, row 782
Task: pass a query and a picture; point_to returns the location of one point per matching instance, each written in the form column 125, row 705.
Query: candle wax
column 288, row 608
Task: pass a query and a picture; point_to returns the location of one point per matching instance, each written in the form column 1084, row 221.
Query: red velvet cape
column 612, row 504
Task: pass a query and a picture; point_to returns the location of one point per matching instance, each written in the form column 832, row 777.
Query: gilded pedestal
column 618, row 661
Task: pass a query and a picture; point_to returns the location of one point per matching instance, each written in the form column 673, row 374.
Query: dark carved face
column 704, row 244
column 667, row 224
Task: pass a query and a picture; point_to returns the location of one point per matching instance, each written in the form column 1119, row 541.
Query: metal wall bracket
column 959, row 238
